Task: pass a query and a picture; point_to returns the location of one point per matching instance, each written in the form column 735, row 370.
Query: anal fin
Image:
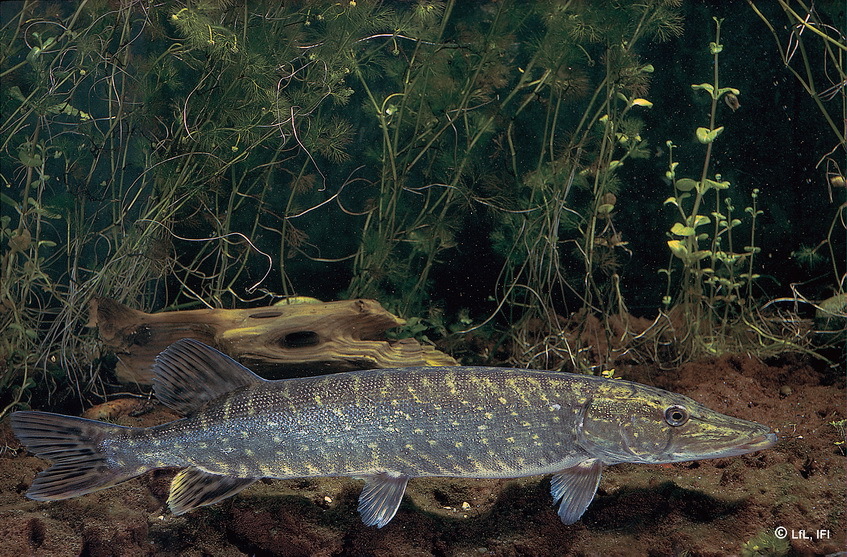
column 192, row 488
column 576, row 487
column 381, row 497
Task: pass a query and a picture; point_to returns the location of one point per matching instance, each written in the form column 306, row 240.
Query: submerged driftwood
column 276, row 341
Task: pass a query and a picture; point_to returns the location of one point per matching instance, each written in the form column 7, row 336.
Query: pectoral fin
column 381, row 497
column 193, row 488
column 576, row 487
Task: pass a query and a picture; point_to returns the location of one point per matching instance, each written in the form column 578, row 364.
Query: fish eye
column 676, row 415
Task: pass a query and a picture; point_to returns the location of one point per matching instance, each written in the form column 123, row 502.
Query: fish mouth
column 757, row 443
column 764, row 441
column 731, row 448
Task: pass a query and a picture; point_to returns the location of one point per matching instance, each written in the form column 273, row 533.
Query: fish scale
column 384, row 426
column 331, row 426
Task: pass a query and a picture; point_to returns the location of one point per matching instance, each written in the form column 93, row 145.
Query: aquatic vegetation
column 139, row 152
column 812, row 45
column 841, row 427
column 712, row 282
column 220, row 154
column 765, row 544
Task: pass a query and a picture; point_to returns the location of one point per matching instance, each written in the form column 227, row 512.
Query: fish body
column 384, row 426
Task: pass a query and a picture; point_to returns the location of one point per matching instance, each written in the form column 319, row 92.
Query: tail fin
column 83, row 460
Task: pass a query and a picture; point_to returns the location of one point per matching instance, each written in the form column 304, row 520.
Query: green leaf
column 672, row 200
column 708, row 87
column 678, row 249
column 715, row 185
column 8, row 201
column 705, row 135
column 700, row 220
column 715, row 48
column 15, row 93
column 642, row 102
column 724, row 90
column 29, row 157
column 671, row 173
column 681, row 230
column 66, row 108
column 685, row 184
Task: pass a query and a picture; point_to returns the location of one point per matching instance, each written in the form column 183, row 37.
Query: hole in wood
column 265, row 314
column 300, row 339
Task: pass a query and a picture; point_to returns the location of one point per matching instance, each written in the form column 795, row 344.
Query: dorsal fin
column 188, row 374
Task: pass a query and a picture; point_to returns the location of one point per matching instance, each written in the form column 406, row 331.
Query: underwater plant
column 557, row 228
column 713, row 306
column 815, row 53
column 220, row 154
column 143, row 151
column 765, row 544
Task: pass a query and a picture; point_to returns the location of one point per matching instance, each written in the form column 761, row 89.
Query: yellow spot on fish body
column 318, row 400
column 488, row 415
column 417, row 430
column 482, row 427
column 459, row 444
column 510, row 439
column 450, row 381
column 432, row 442
column 502, row 400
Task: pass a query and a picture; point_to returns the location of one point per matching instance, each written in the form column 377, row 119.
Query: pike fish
column 384, row 426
